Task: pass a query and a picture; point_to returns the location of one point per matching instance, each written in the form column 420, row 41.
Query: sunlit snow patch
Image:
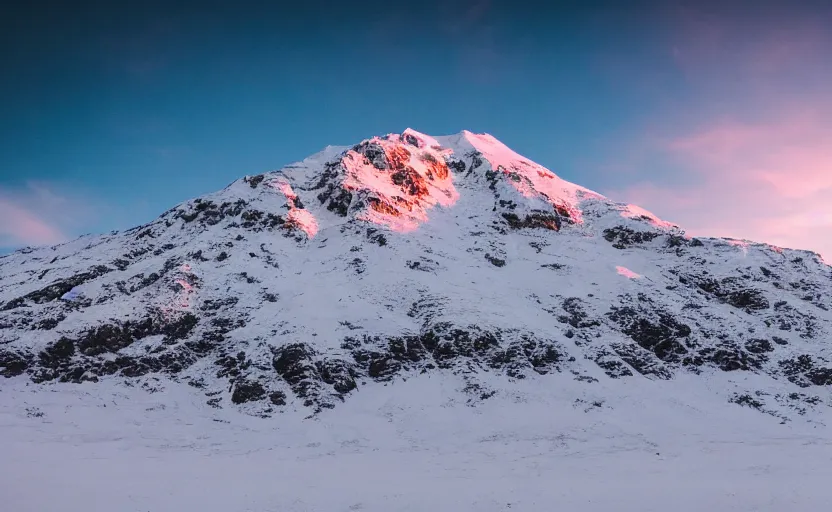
column 531, row 179
column 626, row 272
column 298, row 217
column 416, row 179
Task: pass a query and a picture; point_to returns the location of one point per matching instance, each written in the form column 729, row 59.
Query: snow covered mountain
column 409, row 255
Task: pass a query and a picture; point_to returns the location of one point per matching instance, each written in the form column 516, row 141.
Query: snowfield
column 415, row 446
column 414, row 323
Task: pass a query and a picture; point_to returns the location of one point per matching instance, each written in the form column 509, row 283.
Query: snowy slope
column 422, row 288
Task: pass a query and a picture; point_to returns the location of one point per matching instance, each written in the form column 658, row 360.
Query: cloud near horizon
column 770, row 182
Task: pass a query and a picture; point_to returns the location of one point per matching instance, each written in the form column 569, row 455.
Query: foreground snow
column 413, row 446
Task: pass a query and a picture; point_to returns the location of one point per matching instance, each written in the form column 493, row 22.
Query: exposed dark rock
column 375, row 237
column 747, row 299
column 409, row 349
column 747, row 401
column 120, row 264
column 641, row 360
column 232, row 366
column 277, row 398
column 58, row 353
column 551, row 221
column 731, row 291
column 758, row 346
column 497, row 262
column 336, row 198
column 14, row 304
column 253, row 181
column 337, row 373
column 448, row 343
column 676, row 241
column 803, row 372
column 528, row 353
column 247, row 391
column 374, row 154
column 210, row 213
column 577, row 317
column 180, row 328
column 382, row 367
column 622, row 237
column 215, row 305
column 457, row 166
column 729, row 357
column 612, row 366
column 659, row 337
column 47, row 324
column 13, row 363
column 114, row 337
column 294, row 364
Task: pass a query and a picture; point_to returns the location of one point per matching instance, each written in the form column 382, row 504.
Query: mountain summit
column 408, row 256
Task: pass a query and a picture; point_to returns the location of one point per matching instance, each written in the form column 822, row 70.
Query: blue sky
column 113, row 114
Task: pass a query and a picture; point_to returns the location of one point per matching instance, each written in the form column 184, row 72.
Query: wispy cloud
column 41, row 214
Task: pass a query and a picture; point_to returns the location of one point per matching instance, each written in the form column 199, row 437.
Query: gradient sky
column 717, row 116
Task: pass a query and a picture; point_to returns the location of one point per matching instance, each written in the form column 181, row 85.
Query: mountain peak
column 409, row 254
column 399, row 181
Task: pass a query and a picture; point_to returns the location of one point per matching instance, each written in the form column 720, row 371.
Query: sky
column 713, row 115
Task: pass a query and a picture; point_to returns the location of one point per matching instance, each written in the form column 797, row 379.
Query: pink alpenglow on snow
column 532, row 179
column 286, row 189
column 298, row 217
column 624, row 271
column 417, row 180
column 303, row 220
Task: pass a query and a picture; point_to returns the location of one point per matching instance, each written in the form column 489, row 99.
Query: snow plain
column 635, row 445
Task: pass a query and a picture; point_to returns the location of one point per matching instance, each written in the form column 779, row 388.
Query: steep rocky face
column 408, row 254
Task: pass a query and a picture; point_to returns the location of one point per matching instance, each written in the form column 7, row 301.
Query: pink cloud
column 19, row 226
